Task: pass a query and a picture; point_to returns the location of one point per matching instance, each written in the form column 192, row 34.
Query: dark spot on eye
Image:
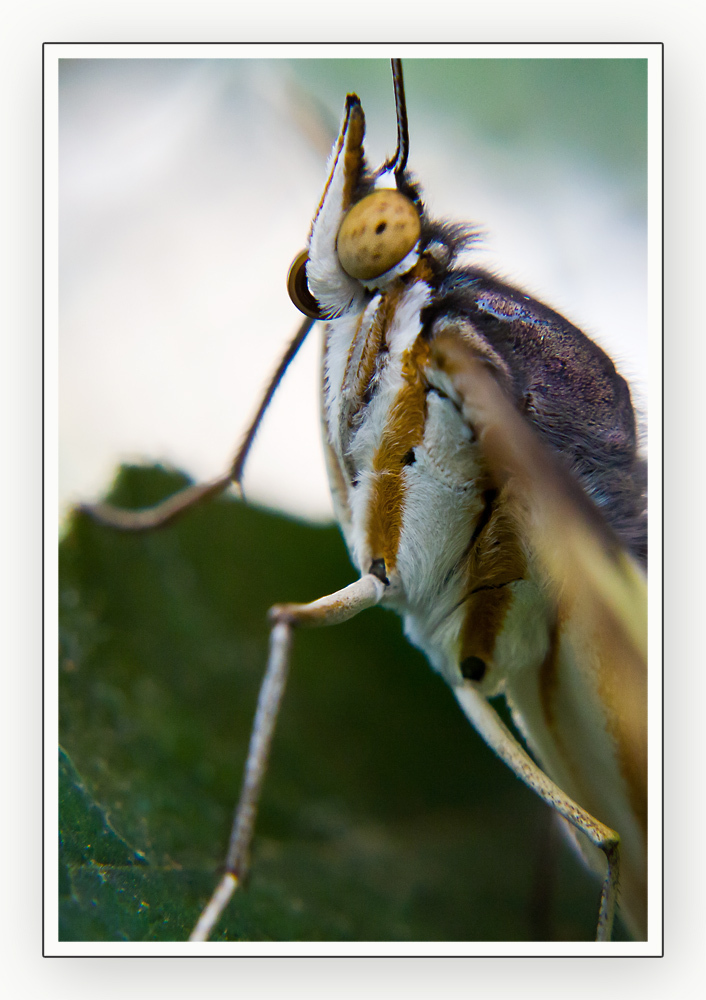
column 354, row 483
column 473, row 668
column 377, row 568
column 410, row 458
column 381, row 227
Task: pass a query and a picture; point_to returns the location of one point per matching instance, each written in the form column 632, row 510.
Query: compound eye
column 299, row 290
column 377, row 233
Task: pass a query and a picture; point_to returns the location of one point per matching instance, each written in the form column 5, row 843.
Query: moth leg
column 148, row 518
column 330, row 610
column 168, row 510
column 490, row 727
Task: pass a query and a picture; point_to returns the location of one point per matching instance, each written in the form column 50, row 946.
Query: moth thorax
column 377, row 233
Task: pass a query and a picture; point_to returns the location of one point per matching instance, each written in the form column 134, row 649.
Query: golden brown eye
column 299, row 290
column 377, row 233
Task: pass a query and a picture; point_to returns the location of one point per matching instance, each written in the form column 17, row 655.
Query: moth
column 483, row 463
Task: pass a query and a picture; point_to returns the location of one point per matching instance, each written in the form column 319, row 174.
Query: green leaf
column 384, row 817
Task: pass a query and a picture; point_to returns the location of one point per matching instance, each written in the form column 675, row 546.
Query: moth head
column 367, row 227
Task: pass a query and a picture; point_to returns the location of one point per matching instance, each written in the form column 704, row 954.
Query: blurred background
column 186, row 187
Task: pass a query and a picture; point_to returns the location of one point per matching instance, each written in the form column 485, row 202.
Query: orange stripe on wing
column 485, row 615
column 631, row 751
column 494, row 560
column 404, row 431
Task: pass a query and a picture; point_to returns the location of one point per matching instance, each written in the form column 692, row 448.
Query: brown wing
column 597, row 585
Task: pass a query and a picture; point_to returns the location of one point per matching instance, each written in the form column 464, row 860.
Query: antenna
column 398, row 162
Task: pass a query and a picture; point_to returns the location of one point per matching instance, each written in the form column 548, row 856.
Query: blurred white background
column 186, row 187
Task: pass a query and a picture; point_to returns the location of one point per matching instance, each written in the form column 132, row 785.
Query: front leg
column 330, row 610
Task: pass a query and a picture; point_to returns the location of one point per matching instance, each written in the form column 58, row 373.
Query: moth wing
column 598, row 587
